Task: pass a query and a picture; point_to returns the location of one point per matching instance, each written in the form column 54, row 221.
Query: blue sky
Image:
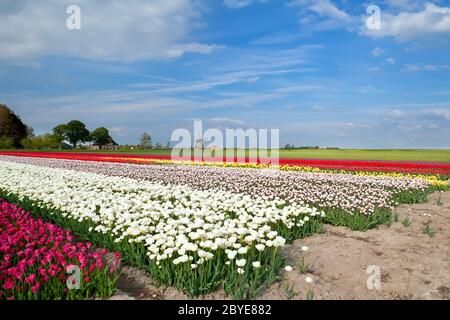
column 309, row 68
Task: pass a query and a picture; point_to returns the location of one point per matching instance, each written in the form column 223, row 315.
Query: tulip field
column 198, row 227
column 436, row 168
column 34, row 257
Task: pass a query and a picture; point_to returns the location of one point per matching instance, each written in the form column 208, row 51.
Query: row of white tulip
column 350, row 193
column 175, row 223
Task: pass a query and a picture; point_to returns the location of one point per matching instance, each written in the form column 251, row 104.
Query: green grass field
column 370, row 154
column 350, row 154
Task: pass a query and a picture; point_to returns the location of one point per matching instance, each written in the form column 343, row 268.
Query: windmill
column 199, row 144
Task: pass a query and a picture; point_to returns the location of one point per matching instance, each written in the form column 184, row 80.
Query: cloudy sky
column 312, row 69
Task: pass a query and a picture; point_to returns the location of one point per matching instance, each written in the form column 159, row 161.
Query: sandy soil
column 412, row 264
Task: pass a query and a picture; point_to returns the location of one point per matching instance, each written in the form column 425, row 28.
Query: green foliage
column 314, row 225
column 100, row 136
column 396, row 217
column 413, row 196
column 11, row 127
column 60, row 133
column 6, row 142
column 429, row 231
column 358, row 222
column 76, row 132
column 45, row 141
column 30, row 132
column 289, row 292
column 309, row 295
column 406, row 222
column 303, row 268
column 439, row 202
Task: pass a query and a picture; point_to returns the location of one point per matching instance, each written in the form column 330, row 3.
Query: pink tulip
column 36, row 287
column 46, row 247
column 9, row 284
column 100, row 264
column 30, row 278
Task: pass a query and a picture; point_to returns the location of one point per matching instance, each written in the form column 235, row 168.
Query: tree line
column 14, row 133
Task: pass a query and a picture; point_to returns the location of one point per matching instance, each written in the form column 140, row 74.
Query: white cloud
column 321, row 15
column 180, row 49
column 253, row 79
column 326, row 8
column 440, row 113
column 238, row 4
column 296, row 89
column 432, row 20
column 390, row 61
column 357, row 125
column 373, row 68
column 423, row 114
column 290, row 107
column 377, row 51
column 416, row 67
column 135, row 30
column 118, row 131
column 227, row 120
column 404, row 4
column 217, row 80
column 276, row 38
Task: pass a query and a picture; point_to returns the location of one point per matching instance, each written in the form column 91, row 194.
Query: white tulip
column 241, row 262
column 288, row 268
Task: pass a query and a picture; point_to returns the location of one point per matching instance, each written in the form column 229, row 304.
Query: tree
column 11, row 126
column 146, row 140
column 26, row 143
column 6, row 142
column 45, row 141
column 100, row 136
column 60, row 133
column 76, row 132
column 30, row 132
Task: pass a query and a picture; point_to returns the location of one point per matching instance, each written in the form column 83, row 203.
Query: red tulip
column 30, row 279
column 9, row 284
column 36, row 287
column 40, row 244
column 358, row 165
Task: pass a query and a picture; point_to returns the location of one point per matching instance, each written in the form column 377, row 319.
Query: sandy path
column 412, row 264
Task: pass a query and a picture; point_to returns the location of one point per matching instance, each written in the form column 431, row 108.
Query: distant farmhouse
column 111, row 145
